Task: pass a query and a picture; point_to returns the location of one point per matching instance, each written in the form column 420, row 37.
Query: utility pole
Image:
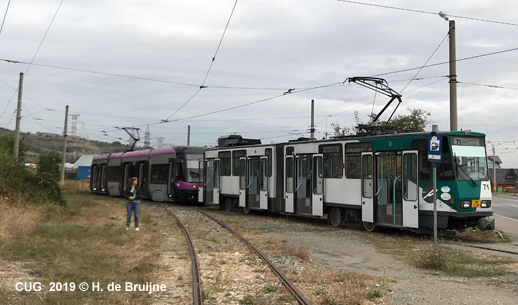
column 188, row 135
column 453, row 79
column 63, row 158
column 18, row 120
column 312, row 119
column 494, row 189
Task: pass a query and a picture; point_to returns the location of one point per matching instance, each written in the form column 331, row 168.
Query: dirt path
column 346, row 250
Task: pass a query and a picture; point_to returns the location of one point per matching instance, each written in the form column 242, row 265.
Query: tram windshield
column 470, row 159
column 193, row 174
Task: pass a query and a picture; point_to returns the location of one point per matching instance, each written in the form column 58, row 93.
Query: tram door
column 215, row 200
column 389, row 196
column 104, row 174
column 367, row 189
column 410, row 187
column 243, row 183
column 318, row 187
column 289, row 173
column 263, row 194
column 304, row 184
column 128, row 173
column 209, row 183
column 171, row 184
column 200, row 183
column 142, row 177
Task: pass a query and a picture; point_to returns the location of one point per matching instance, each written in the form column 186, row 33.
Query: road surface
column 505, row 208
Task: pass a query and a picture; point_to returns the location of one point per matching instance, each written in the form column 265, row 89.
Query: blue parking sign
column 434, row 148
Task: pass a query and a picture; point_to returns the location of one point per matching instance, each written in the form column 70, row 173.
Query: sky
column 132, row 63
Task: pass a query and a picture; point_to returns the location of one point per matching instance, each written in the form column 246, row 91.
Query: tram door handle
column 363, row 202
column 415, row 207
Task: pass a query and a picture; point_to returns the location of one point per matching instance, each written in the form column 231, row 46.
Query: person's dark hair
column 132, row 179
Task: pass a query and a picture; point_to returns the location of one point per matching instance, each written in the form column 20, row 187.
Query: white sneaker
column 136, row 229
column 127, row 228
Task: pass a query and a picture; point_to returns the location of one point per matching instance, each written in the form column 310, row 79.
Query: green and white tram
column 380, row 180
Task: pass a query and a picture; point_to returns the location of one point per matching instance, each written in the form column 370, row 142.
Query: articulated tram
column 165, row 174
column 378, row 180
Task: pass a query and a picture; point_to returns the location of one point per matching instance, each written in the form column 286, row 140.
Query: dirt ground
column 342, row 249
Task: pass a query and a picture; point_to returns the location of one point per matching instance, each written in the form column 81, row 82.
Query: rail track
column 197, row 296
column 197, row 289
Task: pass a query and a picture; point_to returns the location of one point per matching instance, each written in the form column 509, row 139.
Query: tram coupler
column 486, row 223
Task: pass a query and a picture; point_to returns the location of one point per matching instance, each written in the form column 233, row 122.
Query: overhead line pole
column 62, row 177
column 312, row 119
column 188, row 135
column 453, row 79
column 18, row 120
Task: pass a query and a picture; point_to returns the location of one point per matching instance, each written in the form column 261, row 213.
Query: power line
column 202, row 86
column 5, row 15
column 44, row 36
column 427, row 12
column 490, row 86
column 433, row 53
column 447, row 62
column 219, row 44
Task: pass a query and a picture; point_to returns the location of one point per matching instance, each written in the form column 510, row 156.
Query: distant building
column 505, row 177
column 490, row 162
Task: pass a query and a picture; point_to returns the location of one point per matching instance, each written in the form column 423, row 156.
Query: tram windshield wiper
column 461, row 170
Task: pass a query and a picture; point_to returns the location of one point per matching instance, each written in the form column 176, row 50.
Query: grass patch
column 269, row 288
column 461, row 264
column 477, row 236
column 85, row 241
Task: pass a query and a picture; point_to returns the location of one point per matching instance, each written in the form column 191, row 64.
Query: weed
column 287, row 298
column 269, row 288
column 458, row 263
column 374, row 293
column 246, row 301
column 180, row 278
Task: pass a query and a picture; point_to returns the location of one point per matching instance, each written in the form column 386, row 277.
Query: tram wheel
column 335, row 217
column 246, row 210
column 369, row 226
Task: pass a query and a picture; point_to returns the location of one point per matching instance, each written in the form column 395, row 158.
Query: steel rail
column 197, row 296
column 491, row 249
column 289, row 285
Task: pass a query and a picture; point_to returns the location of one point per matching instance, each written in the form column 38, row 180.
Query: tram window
column 289, row 151
column 225, row 163
column 333, row 160
column 159, row 173
column 235, row 160
column 289, row 175
column 268, row 153
column 114, row 173
column 352, row 158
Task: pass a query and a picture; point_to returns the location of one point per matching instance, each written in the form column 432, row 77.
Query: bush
column 19, row 184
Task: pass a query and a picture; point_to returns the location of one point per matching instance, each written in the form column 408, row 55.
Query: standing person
column 133, row 194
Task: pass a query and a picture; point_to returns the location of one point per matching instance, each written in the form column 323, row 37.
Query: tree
column 7, row 146
column 416, row 121
column 340, row 132
column 49, row 166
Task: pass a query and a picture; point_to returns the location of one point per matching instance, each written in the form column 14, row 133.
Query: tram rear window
column 444, row 168
column 114, row 173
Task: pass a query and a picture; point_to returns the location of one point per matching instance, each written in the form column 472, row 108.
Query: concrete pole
column 453, row 79
column 312, row 119
column 18, row 120
column 63, row 158
column 434, row 185
column 188, row 135
column 494, row 169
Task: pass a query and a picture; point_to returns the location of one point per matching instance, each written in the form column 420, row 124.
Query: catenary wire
column 5, row 16
column 428, row 12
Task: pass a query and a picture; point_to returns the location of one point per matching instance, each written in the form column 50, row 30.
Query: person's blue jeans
column 132, row 207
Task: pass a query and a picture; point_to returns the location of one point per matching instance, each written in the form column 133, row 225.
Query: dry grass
column 327, row 287
column 283, row 248
column 86, row 241
column 77, row 185
column 16, row 220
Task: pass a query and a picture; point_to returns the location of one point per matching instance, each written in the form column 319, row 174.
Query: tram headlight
column 486, row 203
column 465, row 204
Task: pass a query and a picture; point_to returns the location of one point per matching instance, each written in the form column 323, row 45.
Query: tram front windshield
column 469, row 158
column 193, row 174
